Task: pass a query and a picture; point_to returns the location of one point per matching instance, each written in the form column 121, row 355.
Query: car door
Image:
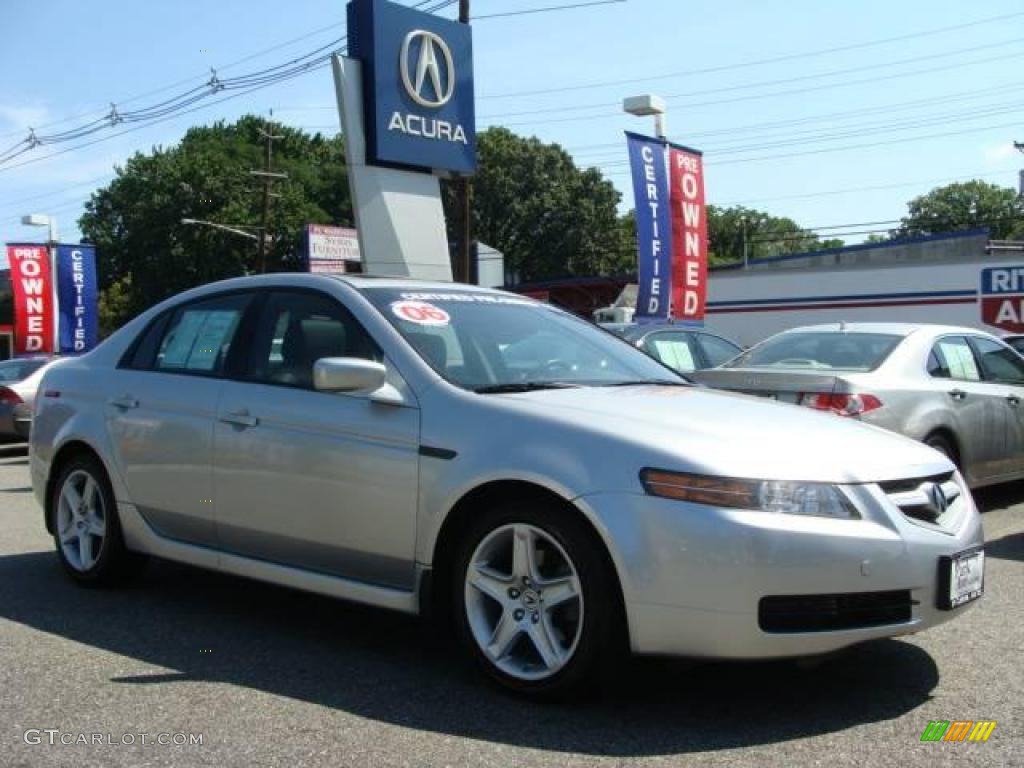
column 1003, row 371
column 976, row 408
column 161, row 409
column 322, row 481
column 676, row 349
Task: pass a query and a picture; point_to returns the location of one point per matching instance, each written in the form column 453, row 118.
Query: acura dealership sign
column 418, row 86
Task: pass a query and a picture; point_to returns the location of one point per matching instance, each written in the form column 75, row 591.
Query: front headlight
column 789, row 497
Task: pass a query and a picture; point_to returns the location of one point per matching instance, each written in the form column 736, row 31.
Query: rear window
column 820, row 351
column 18, row 370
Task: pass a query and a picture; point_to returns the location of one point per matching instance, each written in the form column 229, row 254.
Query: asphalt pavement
column 266, row 676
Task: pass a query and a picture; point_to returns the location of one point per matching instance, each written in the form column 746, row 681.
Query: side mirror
column 347, row 374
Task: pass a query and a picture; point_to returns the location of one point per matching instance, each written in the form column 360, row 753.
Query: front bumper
column 693, row 576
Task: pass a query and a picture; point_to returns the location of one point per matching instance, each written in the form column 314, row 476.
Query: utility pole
column 461, row 270
column 268, row 177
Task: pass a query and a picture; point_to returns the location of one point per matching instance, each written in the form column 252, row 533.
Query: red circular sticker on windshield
column 420, row 312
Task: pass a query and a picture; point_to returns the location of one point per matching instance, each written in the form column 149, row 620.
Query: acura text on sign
column 417, row 86
column 33, row 298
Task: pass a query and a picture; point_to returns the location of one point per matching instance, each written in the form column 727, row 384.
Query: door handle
column 1013, row 400
column 125, row 401
column 239, row 419
column 957, row 394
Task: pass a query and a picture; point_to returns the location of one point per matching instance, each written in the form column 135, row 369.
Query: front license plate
column 961, row 578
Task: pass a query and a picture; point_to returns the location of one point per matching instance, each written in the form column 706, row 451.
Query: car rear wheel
column 535, row 601
column 87, row 531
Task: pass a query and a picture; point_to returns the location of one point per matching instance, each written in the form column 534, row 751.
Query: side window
column 297, row 328
column 936, row 368
column 955, row 359
column 196, row 338
column 716, row 350
column 998, row 363
column 673, row 349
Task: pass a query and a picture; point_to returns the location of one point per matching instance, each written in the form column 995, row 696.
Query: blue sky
column 770, row 130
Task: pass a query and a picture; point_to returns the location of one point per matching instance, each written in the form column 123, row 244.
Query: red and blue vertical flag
column 647, row 160
column 77, row 298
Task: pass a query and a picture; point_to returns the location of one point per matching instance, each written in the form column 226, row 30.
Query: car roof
column 891, row 329
column 362, row 281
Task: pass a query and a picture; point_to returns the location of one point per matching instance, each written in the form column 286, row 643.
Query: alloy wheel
column 524, row 602
column 81, row 520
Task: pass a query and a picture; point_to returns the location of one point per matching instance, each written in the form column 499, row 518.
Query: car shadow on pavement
column 1009, row 547
column 1001, row 496
column 202, row 626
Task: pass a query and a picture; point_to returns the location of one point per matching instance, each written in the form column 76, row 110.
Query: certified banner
column 77, row 298
column 653, row 229
column 32, row 290
column 689, row 234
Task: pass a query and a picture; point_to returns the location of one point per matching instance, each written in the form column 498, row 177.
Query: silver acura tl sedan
column 392, row 442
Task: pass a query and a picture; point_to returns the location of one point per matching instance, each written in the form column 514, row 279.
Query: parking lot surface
column 270, row 677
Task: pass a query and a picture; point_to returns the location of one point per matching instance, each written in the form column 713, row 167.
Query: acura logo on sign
column 427, row 66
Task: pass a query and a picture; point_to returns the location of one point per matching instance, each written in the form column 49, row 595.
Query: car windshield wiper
column 523, row 386
column 652, row 382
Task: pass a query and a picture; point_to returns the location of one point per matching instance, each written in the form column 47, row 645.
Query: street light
column 50, row 222
column 645, row 105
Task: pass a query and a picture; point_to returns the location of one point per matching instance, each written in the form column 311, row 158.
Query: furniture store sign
column 418, row 102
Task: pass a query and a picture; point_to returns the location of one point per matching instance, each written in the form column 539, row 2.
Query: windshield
column 827, row 351
column 495, row 342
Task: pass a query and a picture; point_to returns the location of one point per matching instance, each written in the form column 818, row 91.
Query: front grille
column 821, row 613
column 916, row 498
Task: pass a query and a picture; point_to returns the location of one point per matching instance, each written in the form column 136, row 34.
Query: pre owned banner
column 33, row 298
column 77, row 298
column 653, row 230
column 689, row 233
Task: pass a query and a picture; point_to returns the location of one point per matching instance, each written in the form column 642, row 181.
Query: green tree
column 549, row 217
column 766, row 235
column 135, row 221
column 966, row 205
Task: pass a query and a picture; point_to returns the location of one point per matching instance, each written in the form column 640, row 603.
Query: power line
column 835, row 149
column 775, row 94
column 758, row 62
column 547, row 8
column 872, row 188
column 763, row 83
column 903, row 105
column 177, row 106
column 814, row 136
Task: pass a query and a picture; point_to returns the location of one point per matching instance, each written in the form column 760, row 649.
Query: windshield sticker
column 420, row 312
column 466, row 298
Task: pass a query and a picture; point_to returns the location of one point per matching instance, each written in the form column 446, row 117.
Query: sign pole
column 463, row 270
column 52, row 244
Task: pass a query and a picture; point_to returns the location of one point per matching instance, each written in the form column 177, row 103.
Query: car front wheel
column 535, row 600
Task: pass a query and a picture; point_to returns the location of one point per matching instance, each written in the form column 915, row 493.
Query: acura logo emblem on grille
column 937, row 498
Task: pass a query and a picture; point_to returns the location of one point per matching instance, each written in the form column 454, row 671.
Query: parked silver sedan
column 394, row 442
column 958, row 390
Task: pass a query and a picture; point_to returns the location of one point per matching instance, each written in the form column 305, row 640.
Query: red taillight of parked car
column 841, row 404
column 9, row 397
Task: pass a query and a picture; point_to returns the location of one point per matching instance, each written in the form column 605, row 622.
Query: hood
column 731, row 435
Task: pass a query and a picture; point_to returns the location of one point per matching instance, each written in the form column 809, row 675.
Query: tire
column 88, row 535
column 542, row 649
column 943, row 446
